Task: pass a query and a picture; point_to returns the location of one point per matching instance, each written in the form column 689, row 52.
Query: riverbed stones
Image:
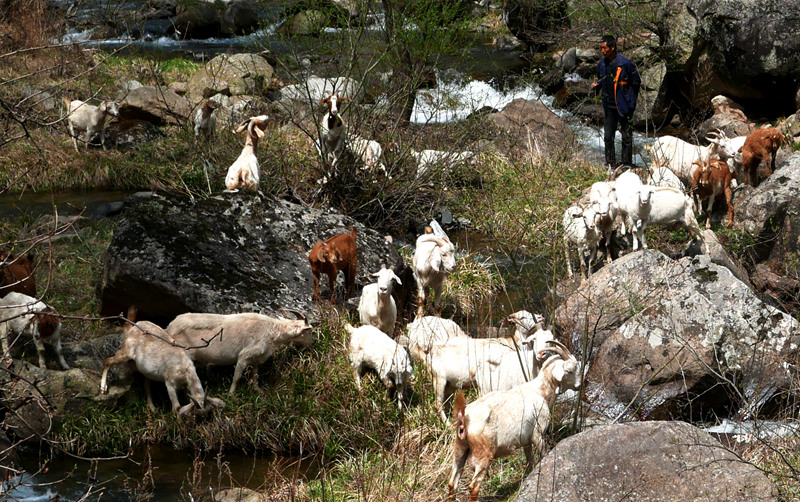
column 667, row 339
column 653, row 461
column 225, row 253
column 39, row 398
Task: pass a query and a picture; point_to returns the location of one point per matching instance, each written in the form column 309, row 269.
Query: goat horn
column 560, row 349
column 299, row 314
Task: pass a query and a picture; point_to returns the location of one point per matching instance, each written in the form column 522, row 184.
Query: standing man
column 619, row 84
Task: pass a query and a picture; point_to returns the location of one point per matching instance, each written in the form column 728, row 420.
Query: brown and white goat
column 332, row 140
column 329, row 257
column 499, row 423
column 16, row 274
column 21, row 314
column 759, row 146
column 710, row 179
column 159, row 358
column 246, row 339
column 244, row 170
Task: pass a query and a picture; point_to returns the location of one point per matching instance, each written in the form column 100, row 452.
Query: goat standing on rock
column 329, row 257
column 434, row 260
column 244, row 170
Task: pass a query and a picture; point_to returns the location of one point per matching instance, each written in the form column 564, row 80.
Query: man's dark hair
column 610, row 41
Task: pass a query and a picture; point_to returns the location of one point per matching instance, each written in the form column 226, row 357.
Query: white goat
column 679, row 155
column 90, row 119
column 429, row 158
column 604, row 200
column 369, row 151
column 244, row 170
column 498, row 423
column 158, row 358
column 580, row 229
column 245, row 340
column 377, row 306
column 516, row 366
column 434, row 259
column 627, row 187
column 371, row 348
column 332, row 140
column 663, row 206
column 205, row 119
column 21, row 314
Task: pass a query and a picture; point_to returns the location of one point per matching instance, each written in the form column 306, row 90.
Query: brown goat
column 16, row 274
column 711, row 179
column 759, row 146
column 337, row 253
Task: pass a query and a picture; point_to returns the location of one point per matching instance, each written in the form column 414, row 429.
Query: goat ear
column 436, row 262
column 322, row 255
column 258, row 131
column 397, row 279
column 558, row 371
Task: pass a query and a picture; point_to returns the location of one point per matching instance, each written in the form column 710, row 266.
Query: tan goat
column 158, row 358
column 246, row 339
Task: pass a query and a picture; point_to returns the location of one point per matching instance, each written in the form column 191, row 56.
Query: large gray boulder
column 769, row 213
column 231, row 75
column 745, row 49
column 653, row 461
column 159, row 105
column 668, row 338
column 225, row 253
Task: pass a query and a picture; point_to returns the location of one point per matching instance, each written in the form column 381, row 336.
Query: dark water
column 30, row 205
column 174, row 476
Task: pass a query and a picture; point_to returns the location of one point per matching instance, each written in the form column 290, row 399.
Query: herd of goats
column 681, row 176
column 518, row 376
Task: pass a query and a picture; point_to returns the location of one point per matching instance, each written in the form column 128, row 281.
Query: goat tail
column 459, row 416
column 353, row 232
column 132, row 311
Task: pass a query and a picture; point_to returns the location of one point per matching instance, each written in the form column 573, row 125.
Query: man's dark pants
column 613, row 120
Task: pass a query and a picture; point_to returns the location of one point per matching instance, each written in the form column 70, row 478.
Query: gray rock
column 667, row 337
column 308, row 22
column 232, row 75
column 653, row 103
column 522, row 118
column 40, row 398
column 653, row 461
column 158, row 105
column 742, row 49
column 769, row 211
column 225, row 253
